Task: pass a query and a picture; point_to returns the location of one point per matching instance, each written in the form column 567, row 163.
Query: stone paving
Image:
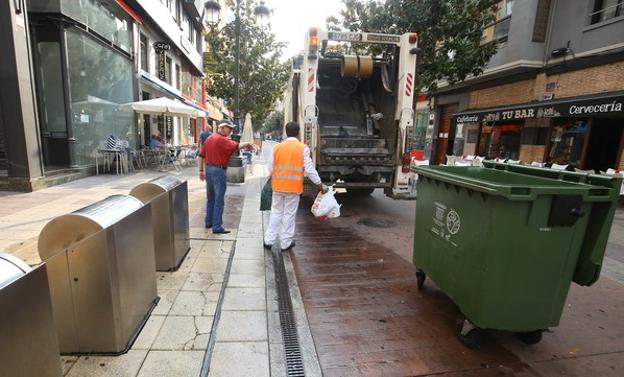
column 242, row 342
column 177, row 334
column 218, row 313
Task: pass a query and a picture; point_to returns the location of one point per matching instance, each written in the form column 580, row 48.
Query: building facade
column 554, row 92
column 84, row 59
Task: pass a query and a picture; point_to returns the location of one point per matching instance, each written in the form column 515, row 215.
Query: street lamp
column 261, row 12
column 212, row 12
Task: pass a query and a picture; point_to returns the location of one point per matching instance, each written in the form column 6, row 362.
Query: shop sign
column 468, row 119
column 603, row 108
column 587, row 107
column 160, row 48
column 162, row 66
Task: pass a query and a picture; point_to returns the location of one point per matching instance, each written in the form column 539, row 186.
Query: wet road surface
column 368, row 318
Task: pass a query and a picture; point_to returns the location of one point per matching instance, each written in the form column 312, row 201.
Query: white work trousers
column 282, row 220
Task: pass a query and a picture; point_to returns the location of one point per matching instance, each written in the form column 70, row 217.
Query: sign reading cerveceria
column 552, row 109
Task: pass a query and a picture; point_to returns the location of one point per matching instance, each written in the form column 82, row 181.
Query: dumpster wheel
column 468, row 334
column 420, row 279
column 530, row 337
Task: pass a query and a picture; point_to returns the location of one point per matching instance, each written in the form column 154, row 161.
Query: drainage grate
column 294, row 360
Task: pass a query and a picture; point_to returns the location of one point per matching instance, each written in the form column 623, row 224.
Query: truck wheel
column 420, row 279
column 530, row 337
column 361, row 191
column 468, row 334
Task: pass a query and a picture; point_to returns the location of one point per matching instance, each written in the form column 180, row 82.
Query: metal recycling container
column 168, row 197
column 101, row 271
column 505, row 242
column 29, row 345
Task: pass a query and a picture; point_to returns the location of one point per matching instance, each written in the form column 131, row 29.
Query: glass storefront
column 500, row 141
column 420, row 129
column 50, row 72
column 105, row 17
column 567, row 139
column 100, row 80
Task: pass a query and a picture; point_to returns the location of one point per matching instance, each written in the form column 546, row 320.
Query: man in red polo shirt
column 214, row 157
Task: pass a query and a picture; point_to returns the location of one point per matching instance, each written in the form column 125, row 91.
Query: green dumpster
column 505, row 241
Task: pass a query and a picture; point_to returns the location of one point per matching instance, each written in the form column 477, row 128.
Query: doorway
column 446, row 134
column 603, row 147
column 147, row 124
column 49, row 72
column 4, row 165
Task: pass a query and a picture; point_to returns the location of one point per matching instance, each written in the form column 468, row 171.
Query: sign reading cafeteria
column 611, row 105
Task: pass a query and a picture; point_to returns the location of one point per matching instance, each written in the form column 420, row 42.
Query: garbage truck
column 355, row 109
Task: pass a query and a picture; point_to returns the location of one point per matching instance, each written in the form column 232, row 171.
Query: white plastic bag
column 325, row 205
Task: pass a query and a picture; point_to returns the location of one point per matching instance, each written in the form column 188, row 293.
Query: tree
column 263, row 75
column 274, row 122
column 449, row 32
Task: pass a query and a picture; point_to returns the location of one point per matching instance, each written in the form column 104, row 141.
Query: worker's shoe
column 208, row 226
column 222, row 231
column 292, row 244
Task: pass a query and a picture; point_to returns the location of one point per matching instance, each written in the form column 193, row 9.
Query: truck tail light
column 407, row 159
column 313, row 40
column 413, row 38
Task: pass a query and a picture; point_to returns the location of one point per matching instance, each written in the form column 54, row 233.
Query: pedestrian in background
column 289, row 163
column 214, row 157
column 204, row 136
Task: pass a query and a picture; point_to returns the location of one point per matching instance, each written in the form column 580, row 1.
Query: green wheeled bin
column 506, row 241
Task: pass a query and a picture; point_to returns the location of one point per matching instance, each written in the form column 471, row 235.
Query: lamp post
column 261, row 11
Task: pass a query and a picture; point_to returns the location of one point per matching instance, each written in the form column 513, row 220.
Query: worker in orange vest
column 289, row 163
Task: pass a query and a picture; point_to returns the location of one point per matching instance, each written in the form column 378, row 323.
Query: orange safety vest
column 288, row 168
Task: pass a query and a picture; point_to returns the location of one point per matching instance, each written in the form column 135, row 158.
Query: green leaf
column 263, row 74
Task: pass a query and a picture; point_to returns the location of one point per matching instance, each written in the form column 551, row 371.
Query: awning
column 582, row 106
column 162, row 106
column 161, row 85
column 202, row 112
column 168, row 89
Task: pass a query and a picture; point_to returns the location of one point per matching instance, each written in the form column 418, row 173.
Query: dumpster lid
column 509, row 184
column 148, row 190
column 11, row 268
column 65, row 230
column 605, row 181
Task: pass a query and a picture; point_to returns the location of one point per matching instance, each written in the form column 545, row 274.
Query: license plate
column 344, row 36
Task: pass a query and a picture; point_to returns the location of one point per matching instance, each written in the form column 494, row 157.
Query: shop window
column 566, row 142
column 191, row 33
column 198, row 41
column 500, row 141
column 605, row 10
column 143, row 46
column 177, row 11
column 420, row 130
column 534, row 135
column 104, row 17
column 51, row 89
column 168, row 68
column 100, row 79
